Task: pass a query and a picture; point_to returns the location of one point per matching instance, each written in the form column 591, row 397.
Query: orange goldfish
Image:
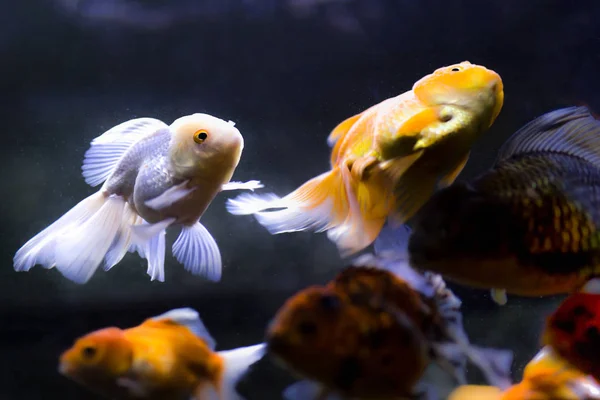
column 168, row 357
column 388, row 160
column 546, row 377
column 573, row 330
column 369, row 334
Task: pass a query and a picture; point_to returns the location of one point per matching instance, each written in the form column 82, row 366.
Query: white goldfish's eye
column 200, row 136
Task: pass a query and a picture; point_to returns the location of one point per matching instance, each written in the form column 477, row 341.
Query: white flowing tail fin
column 77, row 243
column 236, row 364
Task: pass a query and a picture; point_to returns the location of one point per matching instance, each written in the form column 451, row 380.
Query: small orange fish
column 388, row 160
column 573, row 330
column 168, row 357
column 546, row 377
column 369, row 334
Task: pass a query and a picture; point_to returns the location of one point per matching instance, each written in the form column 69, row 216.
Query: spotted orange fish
column 388, row 160
column 369, row 334
column 168, row 357
column 546, row 377
column 573, row 330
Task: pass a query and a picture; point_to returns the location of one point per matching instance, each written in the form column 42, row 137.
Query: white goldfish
column 155, row 176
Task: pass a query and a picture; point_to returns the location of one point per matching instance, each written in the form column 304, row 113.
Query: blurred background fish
column 171, row 356
column 529, row 225
column 573, row 330
column 546, row 377
column 387, row 160
column 369, row 334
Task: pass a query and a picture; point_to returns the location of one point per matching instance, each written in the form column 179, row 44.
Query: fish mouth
column 65, row 368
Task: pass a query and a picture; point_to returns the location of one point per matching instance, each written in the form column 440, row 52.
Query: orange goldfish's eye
column 200, row 136
column 88, row 352
column 456, row 69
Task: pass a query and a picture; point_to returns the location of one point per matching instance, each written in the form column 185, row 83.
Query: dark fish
column 528, row 226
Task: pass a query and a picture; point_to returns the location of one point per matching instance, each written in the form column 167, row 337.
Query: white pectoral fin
column 107, row 149
column 196, row 249
column 170, row 196
column 149, row 240
column 250, row 185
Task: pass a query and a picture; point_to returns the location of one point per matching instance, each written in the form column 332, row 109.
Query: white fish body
column 155, row 176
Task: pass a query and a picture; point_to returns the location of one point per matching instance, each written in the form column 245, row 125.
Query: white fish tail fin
column 236, row 364
column 197, row 250
column 122, row 240
column 77, row 243
column 149, row 241
column 495, row 364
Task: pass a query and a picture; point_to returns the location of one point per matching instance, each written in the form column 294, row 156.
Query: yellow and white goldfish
column 388, row 160
column 170, row 356
column 155, row 176
column 546, row 377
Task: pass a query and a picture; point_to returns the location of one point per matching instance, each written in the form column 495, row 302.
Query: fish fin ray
column 450, row 177
column 197, row 250
column 236, row 364
column 170, row 196
column 122, row 240
column 395, row 168
column 316, row 205
column 149, row 240
column 342, row 129
column 495, row 364
column 569, row 130
column 40, row 248
column 250, row 185
column 412, row 191
column 107, row 149
column 191, row 319
column 80, row 249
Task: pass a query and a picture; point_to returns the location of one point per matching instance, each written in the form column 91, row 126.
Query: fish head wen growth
column 205, row 147
column 97, row 359
column 470, row 87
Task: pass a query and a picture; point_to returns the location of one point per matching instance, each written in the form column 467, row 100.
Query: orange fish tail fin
column 236, row 363
column 333, row 202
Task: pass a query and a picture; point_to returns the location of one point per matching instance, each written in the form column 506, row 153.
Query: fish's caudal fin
column 77, row 242
column 352, row 212
column 495, row 364
column 196, row 249
column 236, row 363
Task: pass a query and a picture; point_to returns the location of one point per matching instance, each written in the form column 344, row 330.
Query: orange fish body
column 166, row 357
column 573, row 331
column 546, row 377
column 388, row 160
column 366, row 334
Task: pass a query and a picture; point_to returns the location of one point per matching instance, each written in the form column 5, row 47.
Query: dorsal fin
column 107, row 149
column 571, row 130
column 341, row 129
column 191, row 319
